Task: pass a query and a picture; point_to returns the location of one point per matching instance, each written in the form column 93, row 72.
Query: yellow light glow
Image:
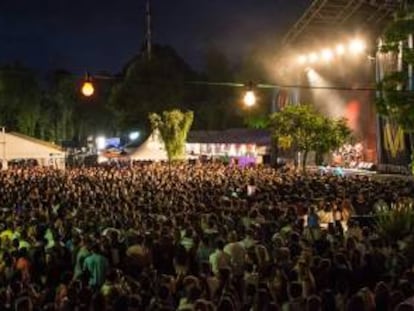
column 313, row 58
column 302, row 59
column 87, row 89
column 357, row 46
column 340, row 49
column 327, row 55
column 249, row 99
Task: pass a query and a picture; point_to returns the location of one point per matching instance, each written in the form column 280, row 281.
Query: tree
column 63, row 99
column 396, row 59
column 332, row 135
column 222, row 108
column 20, row 99
column 150, row 86
column 304, row 129
column 173, row 127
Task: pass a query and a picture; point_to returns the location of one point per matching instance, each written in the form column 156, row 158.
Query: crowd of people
column 207, row 237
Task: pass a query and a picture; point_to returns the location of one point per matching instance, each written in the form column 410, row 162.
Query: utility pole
column 148, row 36
column 4, row 159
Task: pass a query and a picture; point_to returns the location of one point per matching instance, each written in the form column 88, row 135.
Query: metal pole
column 410, row 87
column 4, row 160
column 273, row 144
column 378, row 78
column 148, row 29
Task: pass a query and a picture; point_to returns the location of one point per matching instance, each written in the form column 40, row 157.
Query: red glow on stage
column 353, row 110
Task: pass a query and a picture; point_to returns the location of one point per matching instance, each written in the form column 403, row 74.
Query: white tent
column 16, row 146
column 150, row 150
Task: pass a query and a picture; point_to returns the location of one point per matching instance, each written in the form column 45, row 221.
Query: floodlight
column 100, row 142
column 340, row 49
column 357, row 46
column 327, row 55
column 134, row 135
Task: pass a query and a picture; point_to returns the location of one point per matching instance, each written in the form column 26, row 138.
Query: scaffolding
column 326, row 19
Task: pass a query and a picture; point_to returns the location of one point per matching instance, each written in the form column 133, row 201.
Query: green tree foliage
column 20, row 99
column 63, row 98
column 304, row 129
column 393, row 100
column 223, row 106
column 332, row 135
column 173, row 127
column 397, row 223
column 150, row 86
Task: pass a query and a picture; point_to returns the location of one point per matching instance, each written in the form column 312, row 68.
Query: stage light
column 327, row 55
column 311, row 74
column 249, row 99
column 340, row 49
column 357, row 46
column 100, row 142
column 302, row 59
column 134, row 135
column 313, row 58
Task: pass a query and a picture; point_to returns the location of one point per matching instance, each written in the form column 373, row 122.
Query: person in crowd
column 152, row 236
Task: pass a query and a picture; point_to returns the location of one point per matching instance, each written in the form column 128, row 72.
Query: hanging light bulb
column 249, row 97
column 87, row 86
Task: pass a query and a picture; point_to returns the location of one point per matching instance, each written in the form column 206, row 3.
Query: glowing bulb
column 340, row 49
column 249, row 99
column 327, row 55
column 313, row 58
column 357, row 46
column 88, row 89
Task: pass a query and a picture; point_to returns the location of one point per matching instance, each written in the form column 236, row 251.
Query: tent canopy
column 19, row 146
column 16, row 146
column 150, row 150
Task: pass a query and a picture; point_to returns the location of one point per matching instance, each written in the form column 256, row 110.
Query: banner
column 394, row 143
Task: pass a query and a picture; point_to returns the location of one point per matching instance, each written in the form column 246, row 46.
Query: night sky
column 102, row 35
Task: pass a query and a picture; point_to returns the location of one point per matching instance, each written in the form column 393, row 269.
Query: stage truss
column 327, row 19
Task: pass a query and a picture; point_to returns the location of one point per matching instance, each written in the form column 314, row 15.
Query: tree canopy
column 304, row 129
column 394, row 101
column 150, row 86
column 173, row 127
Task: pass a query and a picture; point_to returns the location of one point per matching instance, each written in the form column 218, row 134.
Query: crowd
column 197, row 237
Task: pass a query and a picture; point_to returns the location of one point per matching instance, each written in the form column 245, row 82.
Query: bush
column 396, row 223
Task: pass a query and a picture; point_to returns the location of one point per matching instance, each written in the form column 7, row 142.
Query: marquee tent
column 16, row 146
column 150, row 150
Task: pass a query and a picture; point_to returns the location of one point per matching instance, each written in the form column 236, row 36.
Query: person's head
column 226, row 304
column 382, row 296
column 406, row 288
column 313, row 303
column 220, row 244
column 295, row 290
column 95, row 248
column 328, row 300
column 404, row 307
column 356, row 303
